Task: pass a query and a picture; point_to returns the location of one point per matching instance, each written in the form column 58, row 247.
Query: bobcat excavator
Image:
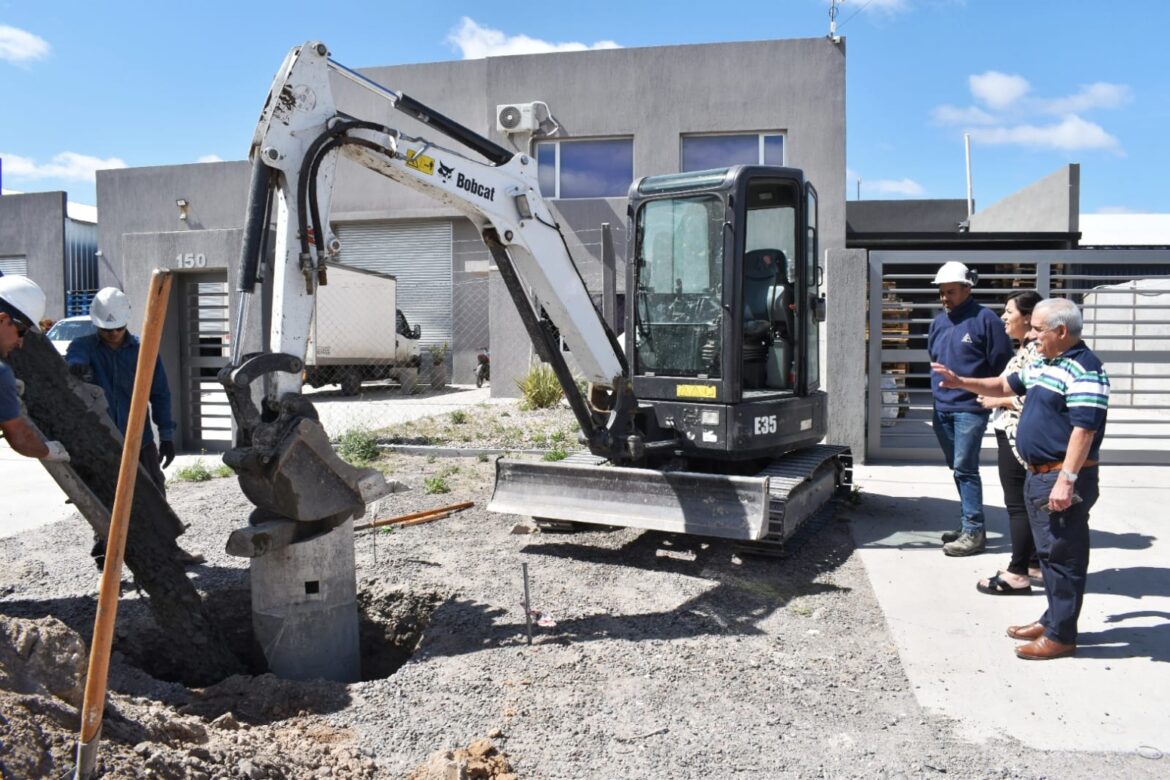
column 706, row 421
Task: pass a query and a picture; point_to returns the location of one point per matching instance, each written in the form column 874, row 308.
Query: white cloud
column 1117, row 210
column 68, row 166
column 1070, row 134
column 886, row 6
column 207, row 158
column 970, row 115
column 998, row 90
column 893, row 187
column 1100, row 94
column 18, row 46
column 475, row 42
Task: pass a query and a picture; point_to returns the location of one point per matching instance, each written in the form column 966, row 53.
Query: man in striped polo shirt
column 1059, row 437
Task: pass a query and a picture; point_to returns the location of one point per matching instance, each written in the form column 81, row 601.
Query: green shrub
column 482, row 457
column 223, row 470
column 556, row 437
column 436, row 484
column 557, row 454
column 357, row 446
column 540, row 388
column 459, row 417
column 196, row 472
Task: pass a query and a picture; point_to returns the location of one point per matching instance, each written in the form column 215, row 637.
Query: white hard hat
column 22, row 299
column 110, row 309
column 954, row 271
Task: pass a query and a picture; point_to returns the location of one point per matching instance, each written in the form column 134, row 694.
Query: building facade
column 610, row 116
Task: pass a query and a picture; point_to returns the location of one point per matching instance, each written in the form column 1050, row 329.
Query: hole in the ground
column 312, row 587
column 391, row 622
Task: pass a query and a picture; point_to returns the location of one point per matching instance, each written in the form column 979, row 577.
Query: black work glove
column 166, row 452
column 82, row 371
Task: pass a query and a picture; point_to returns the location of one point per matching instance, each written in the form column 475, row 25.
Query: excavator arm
column 282, row 454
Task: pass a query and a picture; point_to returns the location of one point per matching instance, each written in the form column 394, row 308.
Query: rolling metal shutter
column 419, row 255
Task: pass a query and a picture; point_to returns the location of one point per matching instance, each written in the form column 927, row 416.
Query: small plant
column 436, row 484
column 196, row 472
column 854, row 495
column 357, row 446
column 482, row 457
column 557, row 454
column 539, row 439
column 223, row 470
column 439, row 353
column 540, row 388
column 459, row 417
column 557, row 437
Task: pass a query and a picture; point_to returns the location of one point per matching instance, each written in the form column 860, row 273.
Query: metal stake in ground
column 107, row 609
column 527, row 606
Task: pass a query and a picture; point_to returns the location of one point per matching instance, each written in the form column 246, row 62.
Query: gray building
column 612, row 116
column 44, row 237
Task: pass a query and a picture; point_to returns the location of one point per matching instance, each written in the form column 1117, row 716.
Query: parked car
column 64, row 331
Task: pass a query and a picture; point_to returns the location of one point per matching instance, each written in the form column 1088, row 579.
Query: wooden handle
column 107, row 609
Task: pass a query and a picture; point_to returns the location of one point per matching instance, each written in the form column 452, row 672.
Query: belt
column 1044, row 468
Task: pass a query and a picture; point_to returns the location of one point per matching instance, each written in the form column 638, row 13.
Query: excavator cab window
column 679, row 289
column 768, row 277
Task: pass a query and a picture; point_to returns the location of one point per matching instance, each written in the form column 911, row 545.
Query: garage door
column 419, row 255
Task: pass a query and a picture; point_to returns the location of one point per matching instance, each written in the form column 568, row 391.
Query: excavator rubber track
column 765, row 509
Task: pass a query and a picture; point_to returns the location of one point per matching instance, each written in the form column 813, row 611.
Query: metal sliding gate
column 203, row 304
column 1124, row 296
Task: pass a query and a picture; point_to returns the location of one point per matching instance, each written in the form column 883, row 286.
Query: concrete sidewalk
column 951, row 639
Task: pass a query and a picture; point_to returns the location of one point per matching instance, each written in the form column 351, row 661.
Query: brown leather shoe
column 1044, row 649
column 1028, row 632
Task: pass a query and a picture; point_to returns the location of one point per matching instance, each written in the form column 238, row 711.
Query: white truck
column 354, row 339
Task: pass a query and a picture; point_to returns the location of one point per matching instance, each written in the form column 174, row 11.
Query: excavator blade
column 578, row 490
column 766, row 507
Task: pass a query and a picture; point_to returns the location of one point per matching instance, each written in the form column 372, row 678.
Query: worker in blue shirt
column 969, row 339
column 109, row 359
column 22, row 303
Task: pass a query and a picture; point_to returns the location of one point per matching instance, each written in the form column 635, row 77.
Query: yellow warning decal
column 695, row 391
column 420, row 162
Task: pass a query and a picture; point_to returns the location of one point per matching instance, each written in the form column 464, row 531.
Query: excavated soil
column 652, row 656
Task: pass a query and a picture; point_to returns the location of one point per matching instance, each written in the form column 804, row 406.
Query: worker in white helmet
column 22, row 304
column 970, row 339
column 109, row 359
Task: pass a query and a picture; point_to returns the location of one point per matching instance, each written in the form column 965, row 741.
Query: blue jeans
column 960, row 434
column 1062, row 541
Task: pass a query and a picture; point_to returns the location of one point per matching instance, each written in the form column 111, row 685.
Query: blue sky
column 1036, row 84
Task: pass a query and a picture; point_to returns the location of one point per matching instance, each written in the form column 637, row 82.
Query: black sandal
column 997, row 587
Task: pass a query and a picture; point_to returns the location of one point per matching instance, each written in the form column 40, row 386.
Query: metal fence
column 1124, row 296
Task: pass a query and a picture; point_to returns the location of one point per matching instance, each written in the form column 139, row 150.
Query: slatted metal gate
column 205, row 350
column 1124, row 296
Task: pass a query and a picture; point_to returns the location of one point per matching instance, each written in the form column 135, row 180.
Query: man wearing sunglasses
column 109, row 359
column 22, row 303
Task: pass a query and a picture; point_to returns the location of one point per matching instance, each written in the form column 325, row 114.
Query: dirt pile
column 243, row 727
column 478, row 761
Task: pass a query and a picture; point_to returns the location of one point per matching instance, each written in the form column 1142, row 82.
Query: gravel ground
column 660, row 657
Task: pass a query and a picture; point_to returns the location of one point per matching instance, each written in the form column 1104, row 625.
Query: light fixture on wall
column 182, row 204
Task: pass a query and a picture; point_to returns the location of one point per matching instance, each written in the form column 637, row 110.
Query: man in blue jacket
column 971, row 340
column 109, row 359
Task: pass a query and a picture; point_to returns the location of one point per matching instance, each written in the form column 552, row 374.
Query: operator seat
column 767, row 320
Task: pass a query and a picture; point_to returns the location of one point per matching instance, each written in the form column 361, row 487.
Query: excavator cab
column 722, row 336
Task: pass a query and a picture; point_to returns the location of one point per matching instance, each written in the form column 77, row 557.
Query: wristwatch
column 1071, row 476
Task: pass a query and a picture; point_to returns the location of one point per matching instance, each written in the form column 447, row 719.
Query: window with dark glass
column 585, row 169
column 701, row 152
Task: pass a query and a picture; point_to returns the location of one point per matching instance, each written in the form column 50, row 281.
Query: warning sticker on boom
column 420, row 162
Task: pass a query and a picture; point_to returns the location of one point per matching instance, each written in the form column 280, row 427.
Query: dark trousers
column 1062, row 542
column 1011, row 476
